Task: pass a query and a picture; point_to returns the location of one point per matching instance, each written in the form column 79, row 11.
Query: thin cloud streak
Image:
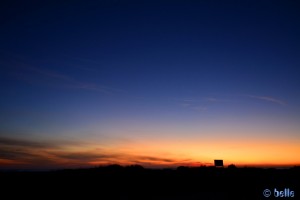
column 194, row 107
column 24, row 143
column 21, row 153
column 32, row 74
column 197, row 105
column 210, row 99
column 69, row 82
column 268, row 99
column 199, row 108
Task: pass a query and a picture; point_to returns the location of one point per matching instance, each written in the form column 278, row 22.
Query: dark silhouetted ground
column 135, row 182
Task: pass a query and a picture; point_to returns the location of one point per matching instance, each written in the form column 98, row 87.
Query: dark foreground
column 115, row 182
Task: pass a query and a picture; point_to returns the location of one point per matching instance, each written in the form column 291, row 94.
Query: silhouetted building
column 219, row 163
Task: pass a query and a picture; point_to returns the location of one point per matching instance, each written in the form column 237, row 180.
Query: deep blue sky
column 94, row 70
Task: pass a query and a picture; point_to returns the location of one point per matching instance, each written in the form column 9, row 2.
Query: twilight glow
column 155, row 84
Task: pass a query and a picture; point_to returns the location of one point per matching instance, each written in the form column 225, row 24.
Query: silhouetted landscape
column 136, row 182
column 150, row 100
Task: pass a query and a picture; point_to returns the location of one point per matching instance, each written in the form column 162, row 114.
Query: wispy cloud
column 52, row 78
column 22, row 143
column 199, row 108
column 189, row 100
column 25, row 153
column 49, row 73
column 204, row 100
column 37, row 144
column 69, row 82
column 83, row 156
column 186, row 104
column 211, row 99
column 268, row 99
column 196, row 104
column 216, row 100
column 155, row 159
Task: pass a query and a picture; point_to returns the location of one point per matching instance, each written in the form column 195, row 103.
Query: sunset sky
column 154, row 83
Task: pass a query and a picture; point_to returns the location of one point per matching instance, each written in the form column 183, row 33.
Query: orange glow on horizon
column 165, row 153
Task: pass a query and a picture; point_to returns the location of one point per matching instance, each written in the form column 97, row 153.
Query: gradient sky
column 154, row 83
